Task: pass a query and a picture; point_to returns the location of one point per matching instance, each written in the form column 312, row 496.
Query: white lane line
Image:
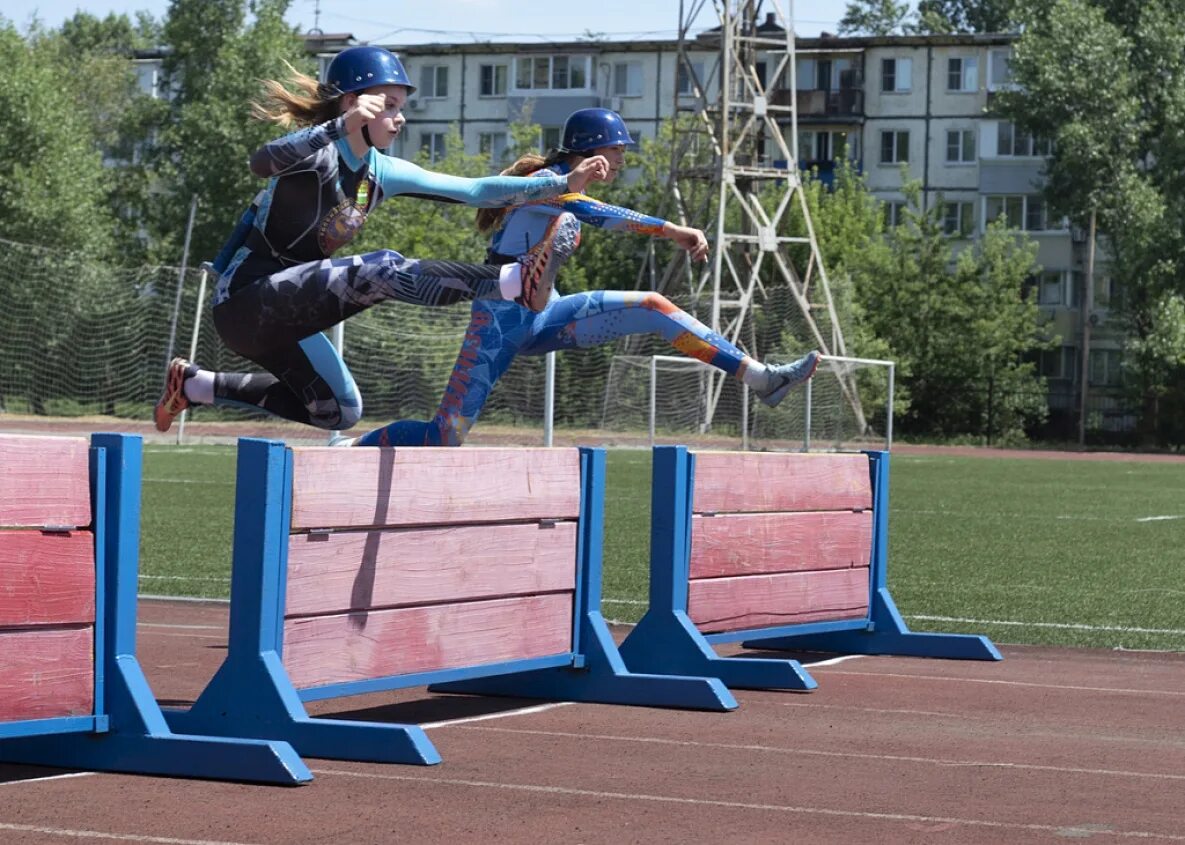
column 47, row 777
column 98, row 834
column 1159, row 518
column 219, row 579
column 178, row 627
column 845, row 755
column 1115, row 690
column 1060, row 830
column 1068, row 626
column 195, row 599
column 539, row 708
column 832, row 661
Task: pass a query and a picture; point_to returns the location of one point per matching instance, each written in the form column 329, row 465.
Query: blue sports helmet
column 588, row 129
column 359, row 68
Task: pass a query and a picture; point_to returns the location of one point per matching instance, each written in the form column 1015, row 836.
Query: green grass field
column 1023, row 550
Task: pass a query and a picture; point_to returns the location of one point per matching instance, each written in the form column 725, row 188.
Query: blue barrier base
column 604, row 679
column 887, row 634
column 254, row 698
column 667, row 642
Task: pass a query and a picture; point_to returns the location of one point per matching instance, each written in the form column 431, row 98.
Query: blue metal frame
column 666, row 640
column 128, row 732
column 885, row 632
column 252, row 695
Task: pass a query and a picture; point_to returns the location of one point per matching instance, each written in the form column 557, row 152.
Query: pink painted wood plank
column 322, row 650
column 335, row 487
column 746, row 482
column 361, row 570
column 46, row 673
column 759, row 601
column 749, row 544
column 44, row 481
column 46, row 578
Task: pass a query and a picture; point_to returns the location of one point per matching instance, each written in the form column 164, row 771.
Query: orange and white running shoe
column 173, row 401
column 543, row 261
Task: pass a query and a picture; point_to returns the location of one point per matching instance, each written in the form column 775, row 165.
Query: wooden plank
column 361, row 570
column 47, row 673
column 46, row 578
column 749, row 544
column 344, row 488
column 755, row 482
column 759, row 601
column 44, row 481
column 323, row 650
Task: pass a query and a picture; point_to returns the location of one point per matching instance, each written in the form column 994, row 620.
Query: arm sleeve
column 398, row 176
column 597, row 213
column 277, row 156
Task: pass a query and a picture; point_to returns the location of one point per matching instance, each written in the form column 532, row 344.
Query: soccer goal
column 847, row 405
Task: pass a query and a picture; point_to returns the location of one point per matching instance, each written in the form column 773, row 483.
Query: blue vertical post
column 666, row 640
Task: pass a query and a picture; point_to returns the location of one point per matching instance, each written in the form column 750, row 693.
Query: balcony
column 814, row 104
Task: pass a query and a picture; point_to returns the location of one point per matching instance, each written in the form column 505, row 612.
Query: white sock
column 510, row 281
column 199, row 388
column 756, row 375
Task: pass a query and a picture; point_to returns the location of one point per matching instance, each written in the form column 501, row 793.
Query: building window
column 493, row 81
column 549, row 138
column 432, row 145
column 895, row 75
column 894, row 147
column 1012, row 142
column 958, row 218
column 551, row 73
column 1105, row 367
column 1059, row 363
column 960, row 146
column 434, row 81
column 962, row 74
column 684, row 86
column 894, row 213
column 627, row 79
column 1051, row 290
column 493, row 144
column 828, row 146
column 999, row 69
column 1019, row 212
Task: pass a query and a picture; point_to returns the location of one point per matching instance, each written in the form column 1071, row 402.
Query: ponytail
column 310, row 104
column 490, row 219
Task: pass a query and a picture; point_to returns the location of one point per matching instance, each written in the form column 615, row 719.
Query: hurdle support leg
column 887, row 634
column 603, row 675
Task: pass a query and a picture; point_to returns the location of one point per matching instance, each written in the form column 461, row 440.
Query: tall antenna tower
column 734, row 173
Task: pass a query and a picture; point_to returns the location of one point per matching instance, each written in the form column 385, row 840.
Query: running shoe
column 173, row 400
column 543, row 261
column 786, row 377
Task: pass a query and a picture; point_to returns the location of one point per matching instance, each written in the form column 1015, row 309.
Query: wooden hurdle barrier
column 72, row 693
column 470, row 570
column 781, row 551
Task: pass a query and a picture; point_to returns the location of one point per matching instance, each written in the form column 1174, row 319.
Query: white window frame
column 551, row 60
column 964, row 218
column 893, row 212
column 968, row 74
column 549, row 138
column 965, row 155
column 1110, row 363
column 899, row 149
column 902, row 75
column 494, row 144
column 1058, row 363
column 435, row 144
column 683, row 84
column 1035, row 147
column 999, row 76
column 632, row 72
column 1051, row 288
column 1026, row 203
column 432, row 79
column 493, row 79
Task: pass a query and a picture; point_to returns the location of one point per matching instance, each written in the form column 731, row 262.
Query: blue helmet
column 588, row 129
column 359, row 68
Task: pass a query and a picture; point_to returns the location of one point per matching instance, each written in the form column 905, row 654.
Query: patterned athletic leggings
column 276, row 321
column 498, row 331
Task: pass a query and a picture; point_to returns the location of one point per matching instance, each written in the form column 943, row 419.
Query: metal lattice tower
column 735, row 175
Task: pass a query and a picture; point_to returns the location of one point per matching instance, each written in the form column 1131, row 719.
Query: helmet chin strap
column 366, row 135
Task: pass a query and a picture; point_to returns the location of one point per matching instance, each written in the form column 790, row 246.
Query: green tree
column 874, row 17
column 1119, row 153
column 937, row 17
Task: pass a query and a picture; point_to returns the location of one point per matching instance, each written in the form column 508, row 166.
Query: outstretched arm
column 277, row 156
column 398, row 176
column 616, row 217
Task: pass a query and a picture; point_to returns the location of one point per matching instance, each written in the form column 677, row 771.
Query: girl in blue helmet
column 278, row 285
column 498, row 331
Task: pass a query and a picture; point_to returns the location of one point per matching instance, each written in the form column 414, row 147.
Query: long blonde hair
column 309, row 104
column 490, row 219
